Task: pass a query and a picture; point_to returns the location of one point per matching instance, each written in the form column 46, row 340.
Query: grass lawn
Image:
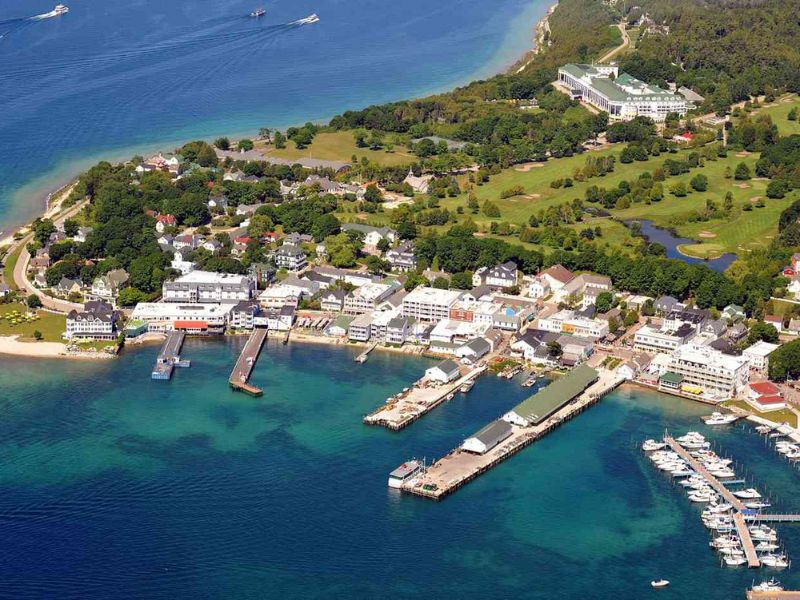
column 776, row 416
column 779, row 110
column 8, row 268
column 746, row 230
column 13, row 321
column 340, row 145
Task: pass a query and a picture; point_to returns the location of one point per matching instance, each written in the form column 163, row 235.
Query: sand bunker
column 706, row 234
column 524, row 168
column 742, row 154
column 532, row 196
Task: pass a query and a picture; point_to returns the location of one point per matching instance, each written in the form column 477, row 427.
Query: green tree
column 441, row 283
column 742, row 172
column 245, row 145
column 279, row 140
column 71, row 227
column 37, row 335
column 490, row 210
column 762, row 331
column 130, row 296
column 222, row 143
column 604, row 302
column 33, row 301
column 699, row 183
column 372, row 193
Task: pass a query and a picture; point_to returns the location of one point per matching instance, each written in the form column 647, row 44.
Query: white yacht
column 652, row 445
column 765, row 547
column 773, row 585
column 718, row 418
column 757, row 505
column 404, row 472
column 776, row 561
column 747, row 494
column 659, row 583
column 735, row 561
column 731, row 551
column 60, row 9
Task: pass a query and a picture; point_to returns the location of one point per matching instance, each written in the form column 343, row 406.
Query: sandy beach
column 11, row 345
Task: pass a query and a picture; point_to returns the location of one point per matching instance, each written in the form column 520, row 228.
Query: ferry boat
column 466, row 386
column 259, row 12
column 404, row 472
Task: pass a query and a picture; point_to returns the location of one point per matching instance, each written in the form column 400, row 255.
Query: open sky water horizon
column 113, row 485
column 111, row 79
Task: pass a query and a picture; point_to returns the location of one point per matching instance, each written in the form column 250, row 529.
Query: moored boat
column 404, row 472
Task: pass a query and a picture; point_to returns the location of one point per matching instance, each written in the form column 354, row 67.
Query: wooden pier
column 782, row 595
column 247, row 362
column 459, row 467
column 399, row 413
column 747, row 541
column 715, row 483
column 362, row 358
column 169, row 356
column 757, row 517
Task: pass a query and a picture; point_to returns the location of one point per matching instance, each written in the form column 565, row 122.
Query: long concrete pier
column 419, row 400
column 169, row 356
column 247, row 362
column 747, row 541
column 459, row 467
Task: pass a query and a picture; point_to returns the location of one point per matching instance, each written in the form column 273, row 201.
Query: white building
column 720, row 375
column 758, row 355
column 650, row 339
column 98, row 321
column 429, row 304
column 207, row 286
column 445, row 372
column 291, row 258
column 499, row 276
column 488, row 437
column 360, row 329
column 366, row 298
column 622, row 96
column 169, row 316
column 107, row 287
column 566, row 321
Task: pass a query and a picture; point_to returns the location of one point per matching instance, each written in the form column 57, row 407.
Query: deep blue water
column 115, row 486
column 115, row 77
column 671, row 242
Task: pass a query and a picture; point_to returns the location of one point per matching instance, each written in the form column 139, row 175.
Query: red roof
column 191, row 324
column 243, row 240
column 559, row 273
column 773, row 319
column 765, row 388
column 168, row 219
column 687, row 135
column 771, row 400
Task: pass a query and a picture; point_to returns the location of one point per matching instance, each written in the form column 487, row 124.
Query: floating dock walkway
column 246, row 362
column 399, row 413
column 170, row 356
column 362, row 358
column 459, row 467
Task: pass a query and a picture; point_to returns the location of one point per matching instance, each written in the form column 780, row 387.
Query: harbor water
column 112, row 79
column 114, row 485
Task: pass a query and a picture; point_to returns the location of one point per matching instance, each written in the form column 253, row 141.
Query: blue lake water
column 115, row 486
column 113, row 78
column 671, row 242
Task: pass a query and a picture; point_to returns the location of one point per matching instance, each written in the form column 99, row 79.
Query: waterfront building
column 280, row 319
column 651, row 339
column 621, row 95
column 551, row 398
column 429, row 304
column 207, row 286
column 366, row 298
column 488, row 437
column 290, row 257
column 758, row 355
column 532, row 345
column 403, row 257
column 397, row 330
column 243, row 314
column 714, row 373
column 505, row 275
column 339, row 327
column 765, row 396
column 567, row 321
column 189, row 317
column 473, row 350
column 445, row 372
column 333, row 300
column 574, row 349
column 360, row 329
column 97, row 321
column 634, row 366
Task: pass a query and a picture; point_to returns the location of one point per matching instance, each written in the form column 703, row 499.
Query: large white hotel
column 623, row 97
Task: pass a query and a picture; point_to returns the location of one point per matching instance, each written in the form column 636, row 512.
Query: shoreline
column 540, row 30
column 60, row 177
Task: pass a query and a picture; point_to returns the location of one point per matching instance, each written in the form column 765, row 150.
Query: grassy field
column 13, row 321
column 8, row 268
column 779, row 110
column 747, row 229
column 776, row 416
column 340, row 145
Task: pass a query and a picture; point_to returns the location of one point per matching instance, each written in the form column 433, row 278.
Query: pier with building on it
column 246, row 363
column 169, row 356
column 411, row 404
column 536, row 417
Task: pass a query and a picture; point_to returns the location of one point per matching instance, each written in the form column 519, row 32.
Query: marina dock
column 169, row 356
column 399, row 413
column 747, row 541
column 362, row 358
column 459, row 467
column 773, row 595
column 247, row 362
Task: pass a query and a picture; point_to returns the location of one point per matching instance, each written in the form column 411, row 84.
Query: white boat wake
column 313, row 18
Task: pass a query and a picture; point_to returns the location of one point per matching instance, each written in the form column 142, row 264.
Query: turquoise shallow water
column 112, row 485
column 111, row 79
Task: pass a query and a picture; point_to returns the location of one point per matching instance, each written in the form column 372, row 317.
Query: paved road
column 21, row 269
column 625, row 43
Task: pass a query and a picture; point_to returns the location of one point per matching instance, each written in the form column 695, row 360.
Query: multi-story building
column 429, row 304
column 291, row 258
column 758, row 355
column 720, row 375
column 621, row 95
column 397, row 330
column 366, row 298
column 402, row 258
column 499, row 276
column 108, row 286
column 650, row 339
column 243, row 314
column 360, row 329
column 333, row 300
column 205, row 286
column 97, row 321
column 685, row 316
column 566, row 321
column 194, row 318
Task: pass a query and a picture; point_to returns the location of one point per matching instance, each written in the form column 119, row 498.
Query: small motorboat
column 764, row 429
column 259, row 12
column 766, row 547
column 718, row 418
column 735, row 561
column 652, row 445
column 747, row 494
column 773, row 585
column 776, row 561
column 659, row 583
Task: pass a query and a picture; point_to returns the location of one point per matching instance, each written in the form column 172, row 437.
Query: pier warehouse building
column 622, row 96
column 549, row 399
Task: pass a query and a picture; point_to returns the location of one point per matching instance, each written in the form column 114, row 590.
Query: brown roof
column 559, row 273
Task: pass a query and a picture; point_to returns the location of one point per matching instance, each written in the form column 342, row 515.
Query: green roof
column 549, row 399
column 343, row 321
column 671, row 377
